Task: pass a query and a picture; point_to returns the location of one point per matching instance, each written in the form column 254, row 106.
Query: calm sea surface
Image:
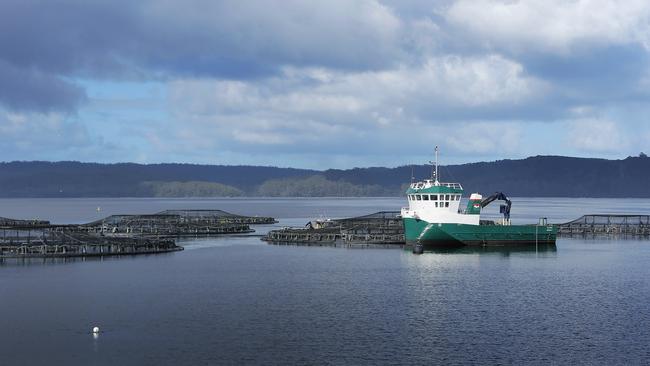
column 236, row 300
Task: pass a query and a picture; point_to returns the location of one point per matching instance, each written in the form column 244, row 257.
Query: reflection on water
column 502, row 250
column 66, row 260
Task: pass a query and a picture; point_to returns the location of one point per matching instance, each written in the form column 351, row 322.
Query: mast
column 434, row 170
column 436, row 177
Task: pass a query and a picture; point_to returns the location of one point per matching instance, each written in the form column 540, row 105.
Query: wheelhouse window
column 418, row 197
column 434, row 197
column 425, row 197
column 446, row 204
column 446, row 197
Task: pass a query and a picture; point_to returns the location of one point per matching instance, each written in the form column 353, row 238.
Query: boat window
column 418, row 197
column 434, row 197
column 436, row 204
column 446, row 204
column 425, row 197
column 446, row 197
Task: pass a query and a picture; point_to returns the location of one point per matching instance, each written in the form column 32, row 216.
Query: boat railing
column 452, row 185
column 427, row 184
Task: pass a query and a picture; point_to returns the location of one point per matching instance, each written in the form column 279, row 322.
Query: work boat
column 434, row 219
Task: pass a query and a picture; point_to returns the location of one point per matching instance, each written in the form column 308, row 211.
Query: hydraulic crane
column 504, row 209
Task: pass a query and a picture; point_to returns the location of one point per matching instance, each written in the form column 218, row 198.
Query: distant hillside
column 74, row 179
column 318, row 185
column 542, row 176
column 190, row 189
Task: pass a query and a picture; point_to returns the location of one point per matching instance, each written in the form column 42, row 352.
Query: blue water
column 237, row 300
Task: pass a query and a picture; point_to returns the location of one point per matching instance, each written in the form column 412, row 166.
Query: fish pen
column 218, row 216
column 382, row 229
column 6, row 222
column 607, row 225
column 27, row 241
column 118, row 234
column 177, row 223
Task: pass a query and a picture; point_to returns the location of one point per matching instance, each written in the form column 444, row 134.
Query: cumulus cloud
column 324, row 108
column 553, row 25
column 441, row 83
column 592, row 51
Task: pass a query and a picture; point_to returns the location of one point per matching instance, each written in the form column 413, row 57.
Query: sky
column 323, row 84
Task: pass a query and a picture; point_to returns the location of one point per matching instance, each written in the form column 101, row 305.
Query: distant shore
column 539, row 176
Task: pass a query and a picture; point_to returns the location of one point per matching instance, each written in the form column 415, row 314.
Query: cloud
column 597, row 135
column 125, row 40
column 485, row 137
column 211, row 37
column 367, row 79
column 196, row 37
column 312, row 110
column 442, row 83
column 50, row 134
column 555, row 26
column 30, row 90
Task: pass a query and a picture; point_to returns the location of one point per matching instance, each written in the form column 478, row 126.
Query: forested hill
column 535, row 176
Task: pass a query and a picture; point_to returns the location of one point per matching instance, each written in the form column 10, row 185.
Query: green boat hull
column 456, row 235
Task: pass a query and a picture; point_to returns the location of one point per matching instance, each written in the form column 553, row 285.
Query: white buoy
column 96, row 330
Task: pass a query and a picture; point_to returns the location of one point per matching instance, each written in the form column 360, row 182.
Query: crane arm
column 501, row 197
